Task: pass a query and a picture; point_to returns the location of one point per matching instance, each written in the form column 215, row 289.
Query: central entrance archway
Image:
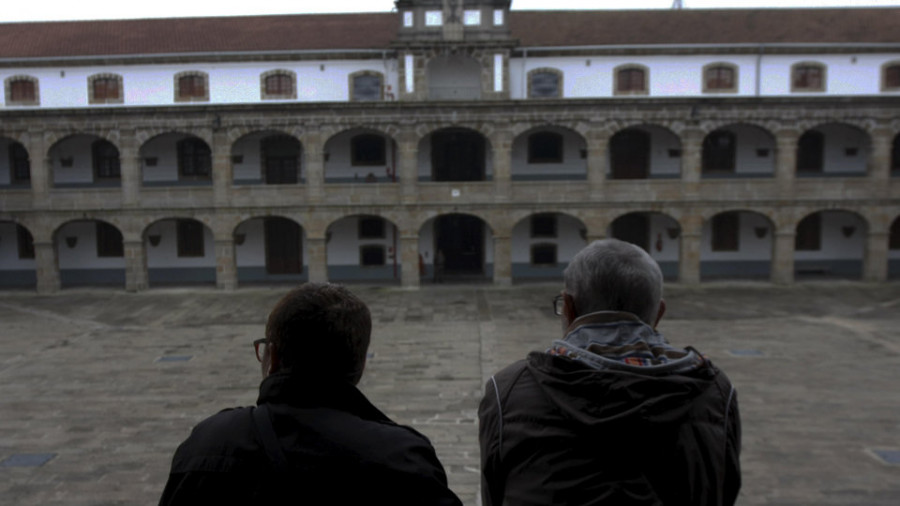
column 459, row 239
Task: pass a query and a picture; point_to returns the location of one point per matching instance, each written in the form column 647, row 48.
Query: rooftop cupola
column 453, row 20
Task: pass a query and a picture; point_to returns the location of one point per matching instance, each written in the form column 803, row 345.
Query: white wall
column 572, row 163
column 78, row 147
column 84, row 254
column 837, row 139
column 166, row 253
column 834, row 245
column 164, row 149
column 343, row 248
column 568, row 239
column 339, row 157
column 750, row 247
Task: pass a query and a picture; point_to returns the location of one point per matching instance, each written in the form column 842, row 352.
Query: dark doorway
column 811, row 152
column 457, row 155
column 281, row 159
column 460, row 240
column 719, row 152
column 630, row 154
column 283, row 252
column 633, row 228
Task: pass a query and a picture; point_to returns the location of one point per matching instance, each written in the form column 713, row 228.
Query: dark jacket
column 588, row 428
column 340, row 450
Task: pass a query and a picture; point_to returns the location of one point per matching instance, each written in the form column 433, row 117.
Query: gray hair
column 613, row 275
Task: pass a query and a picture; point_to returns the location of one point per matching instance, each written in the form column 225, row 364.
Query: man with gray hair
column 611, row 414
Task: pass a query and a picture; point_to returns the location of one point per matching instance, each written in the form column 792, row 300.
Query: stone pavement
column 98, row 387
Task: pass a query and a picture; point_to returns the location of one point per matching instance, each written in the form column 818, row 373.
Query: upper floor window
column 105, row 89
column 407, row 19
column 631, row 80
column 22, row 90
column 498, row 17
column 808, row 76
column 545, row 147
column 434, row 18
column 191, row 87
column 106, row 160
column 366, row 86
column 19, row 164
column 194, row 159
column 367, row 150
column 890, row 80
column 278, row 84
column 720, row 78
column 544, row 83
column 472, row 17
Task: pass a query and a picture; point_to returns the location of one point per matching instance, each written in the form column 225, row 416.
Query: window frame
column 547, row 246
column 110, row 242
column 365, row 73
column 725, row 232
column 9, row 85
column 194, row 97
column 885, row 68
column 545, row 70
column 185, row 241
column 805, row 66
column 196, row 158
column 263, row 89
column 14, row 163
column 118, row 84
column 98, row 162
column 706, row 157
column 707, row 69
column 617, row 79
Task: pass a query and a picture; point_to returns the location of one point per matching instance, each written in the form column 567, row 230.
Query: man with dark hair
column 611, row 414
column 313, row 438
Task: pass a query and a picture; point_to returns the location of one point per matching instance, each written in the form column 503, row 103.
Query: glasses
column 558, row 302
column 260, row 346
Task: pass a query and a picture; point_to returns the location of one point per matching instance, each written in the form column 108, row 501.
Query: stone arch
column 360, row 154
column 656, row 232
column 833, row 148
column 180, row 250
column 15, row 163
column 84, row 159
column 174, row 157
column 456, row 246
column 830, row 243
column 542, row 244
column 90, row 252
column 455, row 154
column 549, row 151
column 18, row 267
column 270, row 249
column 632, row 152
column 281, row 162
column 741, row 149
column 737, row 244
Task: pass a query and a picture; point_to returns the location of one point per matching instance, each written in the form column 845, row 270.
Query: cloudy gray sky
column 24, row 10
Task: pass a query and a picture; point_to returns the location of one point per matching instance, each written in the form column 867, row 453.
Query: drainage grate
column 888, row 456
column 27, row 460
column 746, row 353
column 174, row 358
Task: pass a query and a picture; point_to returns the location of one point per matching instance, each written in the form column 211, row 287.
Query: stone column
column 502, row 260
column 691, row 155
column 597, row 143
column 317, row 261
column 689, row 254
column 501, row 143
column 314, row 158
column 875, row 263
column 786, row 155
column 226, row 266
column 222, row 170
column 41, row 168
column 407, row 166
column 47, row 267
column 782, row 270
column 135, row 266
column 409, row 261
column 129, row 157
column 880, row 158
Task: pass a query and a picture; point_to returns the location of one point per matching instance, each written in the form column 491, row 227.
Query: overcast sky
column 25, row 10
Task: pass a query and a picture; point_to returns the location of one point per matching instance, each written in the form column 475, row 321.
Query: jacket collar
column 302, row 391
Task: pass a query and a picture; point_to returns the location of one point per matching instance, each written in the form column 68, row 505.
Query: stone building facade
column 449, row 140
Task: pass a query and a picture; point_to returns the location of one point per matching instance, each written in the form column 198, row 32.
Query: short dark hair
column 323, row 330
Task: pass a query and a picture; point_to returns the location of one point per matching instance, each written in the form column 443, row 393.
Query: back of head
column 613, row 275
column 322, row 330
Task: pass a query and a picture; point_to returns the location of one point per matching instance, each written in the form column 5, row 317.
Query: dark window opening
column 726, row 229
column 22, row 90
column 811, row 152
column 545, row 147
column 894, row 241
column 367, row 88
column 892, row 76
column 633, row 228
column 809, row 77
column 543, row 225
column 194, row 159
column 719, row 152
column 371, row 228
column 367, row 150
column 25, row 242
column 720, row 77
column 371, row 255
column 281, row 159
column 895, row 155
column 458, row 155
column 809, row 234
column 106, row 160
column 20, row 166
column 279, row 84
column 630, row 155
column 544, row 85
column 284, row 254
column 193, row 86
column 190, row 238
column 543, row 254
column 109, row 241
column 106, row 88
column 630, row 80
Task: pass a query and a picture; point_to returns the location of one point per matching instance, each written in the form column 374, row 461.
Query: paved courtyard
column 98, row 387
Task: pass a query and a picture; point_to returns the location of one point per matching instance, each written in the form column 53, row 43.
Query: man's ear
column 569, row 309
column 660, row 313
column 274, row 360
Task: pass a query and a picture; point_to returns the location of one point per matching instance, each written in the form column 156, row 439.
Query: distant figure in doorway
column 313, row 438
column 440, row 263
column 611, row 414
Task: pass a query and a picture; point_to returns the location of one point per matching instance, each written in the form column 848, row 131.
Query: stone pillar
column 502, row 261
column 135, row 266
column 226, row 266
column 410, row 276
column 880, row 157
column 691, row 155
column 597, row 143
column 782, row 270
column 689, row 255
column 875, row 263
column 41, row 168
column 501, row 143
column 314, row 158
column 317, row 260
column 129, row 157
column 407, row 166
column 786, row 155
column 222, row 170
column 47, row 267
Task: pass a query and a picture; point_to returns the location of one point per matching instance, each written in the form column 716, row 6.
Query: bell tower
column 454, row 49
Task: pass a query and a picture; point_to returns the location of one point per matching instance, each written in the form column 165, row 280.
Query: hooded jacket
column 610, row 415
